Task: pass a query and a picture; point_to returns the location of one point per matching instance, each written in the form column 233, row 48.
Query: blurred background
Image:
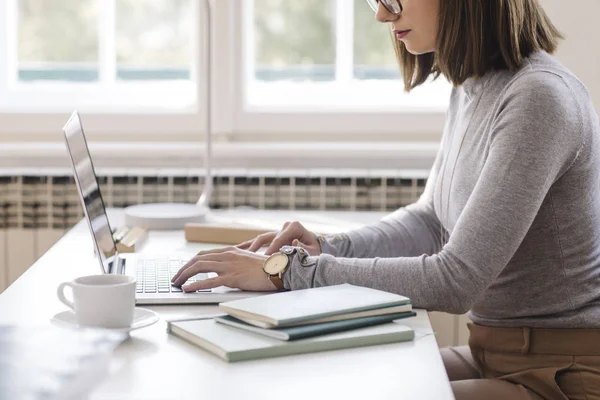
column 306, row 103
column 292, row 42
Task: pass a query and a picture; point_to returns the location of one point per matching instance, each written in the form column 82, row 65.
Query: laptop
column 153, row 273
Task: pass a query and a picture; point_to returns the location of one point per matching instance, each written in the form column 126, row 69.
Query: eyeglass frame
column 387, row 7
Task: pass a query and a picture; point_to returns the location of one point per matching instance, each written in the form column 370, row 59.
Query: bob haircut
column 476, row 36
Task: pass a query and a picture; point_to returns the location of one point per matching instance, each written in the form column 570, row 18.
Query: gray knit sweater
column 516, row 186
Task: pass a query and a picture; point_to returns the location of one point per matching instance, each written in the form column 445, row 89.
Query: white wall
column 580, row 51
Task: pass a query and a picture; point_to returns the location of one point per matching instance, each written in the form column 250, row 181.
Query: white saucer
column 142, row 317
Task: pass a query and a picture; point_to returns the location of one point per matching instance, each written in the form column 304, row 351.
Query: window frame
column 387, row 124
column 118, row 122
column 231, row 119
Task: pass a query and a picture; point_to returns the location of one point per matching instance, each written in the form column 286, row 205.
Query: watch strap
column 277, row 281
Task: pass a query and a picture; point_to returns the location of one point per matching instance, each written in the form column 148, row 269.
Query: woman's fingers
column 214, row 251
column 313, row 250
column 291, row 231
column 261, row 240
column 206, row 284
column 197, row 267
column 239, row 269
column 257, row 244
column 244, row 245
column 206, row 255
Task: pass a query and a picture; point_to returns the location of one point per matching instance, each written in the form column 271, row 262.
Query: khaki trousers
column 525, row 363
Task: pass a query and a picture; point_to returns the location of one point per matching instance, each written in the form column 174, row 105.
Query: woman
column 508, row 226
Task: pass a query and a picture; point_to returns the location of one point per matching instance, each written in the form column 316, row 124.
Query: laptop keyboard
column 154, row 276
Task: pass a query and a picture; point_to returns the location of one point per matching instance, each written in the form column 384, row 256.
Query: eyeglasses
column 392, row 6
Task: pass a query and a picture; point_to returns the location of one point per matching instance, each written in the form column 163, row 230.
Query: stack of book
column 301, row 321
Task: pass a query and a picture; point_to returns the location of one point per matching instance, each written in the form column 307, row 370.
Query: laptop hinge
column 117, row 265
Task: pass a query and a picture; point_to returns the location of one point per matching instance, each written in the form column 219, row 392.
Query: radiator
column 38, row 206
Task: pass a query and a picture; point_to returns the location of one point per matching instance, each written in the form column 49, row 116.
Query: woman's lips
column 401, row 34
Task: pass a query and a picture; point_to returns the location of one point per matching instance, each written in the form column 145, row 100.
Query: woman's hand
column 292, row 233
column 236, row 268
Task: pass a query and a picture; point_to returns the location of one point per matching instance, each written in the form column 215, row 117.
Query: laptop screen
column 89, row 191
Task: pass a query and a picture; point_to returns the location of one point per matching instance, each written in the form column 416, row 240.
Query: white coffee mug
column 106, row 301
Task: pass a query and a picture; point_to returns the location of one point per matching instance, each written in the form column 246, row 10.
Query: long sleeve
column 535, row 136
column 409, row 231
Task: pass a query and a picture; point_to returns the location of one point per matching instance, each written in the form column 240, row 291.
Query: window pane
column 58, row 40
column 294, row 40
column 298, row 67
column 374, row 56
column 153, row 39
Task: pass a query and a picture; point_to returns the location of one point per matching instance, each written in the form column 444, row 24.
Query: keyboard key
column 154, row 276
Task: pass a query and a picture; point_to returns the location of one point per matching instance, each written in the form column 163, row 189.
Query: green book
column 233, row 344
column 323, row 303
column 311, row 330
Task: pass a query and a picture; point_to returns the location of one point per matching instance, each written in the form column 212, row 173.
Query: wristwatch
column 278, row 263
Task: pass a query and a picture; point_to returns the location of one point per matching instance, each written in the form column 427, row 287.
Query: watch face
column 276, row 263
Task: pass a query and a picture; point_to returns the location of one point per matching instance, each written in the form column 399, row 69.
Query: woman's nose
column 384, row 16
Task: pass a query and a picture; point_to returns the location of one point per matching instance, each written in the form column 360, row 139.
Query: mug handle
column 60, row 292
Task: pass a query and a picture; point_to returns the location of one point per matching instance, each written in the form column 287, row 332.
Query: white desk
column 155, row 365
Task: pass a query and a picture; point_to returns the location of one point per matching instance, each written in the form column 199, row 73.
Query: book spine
column 291, row 348
column 193, row 339
column 347, row 325
column 267, row 322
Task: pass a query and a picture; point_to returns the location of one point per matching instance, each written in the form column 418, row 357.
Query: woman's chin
column 417, row 50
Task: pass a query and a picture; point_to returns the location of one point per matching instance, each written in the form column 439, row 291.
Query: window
column 324, row 69
column 326, row 54
column 61, row 41
column 99, row 55
column 57, row 41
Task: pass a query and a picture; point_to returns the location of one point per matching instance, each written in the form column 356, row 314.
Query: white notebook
column 233, row 344
column 304, row 306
